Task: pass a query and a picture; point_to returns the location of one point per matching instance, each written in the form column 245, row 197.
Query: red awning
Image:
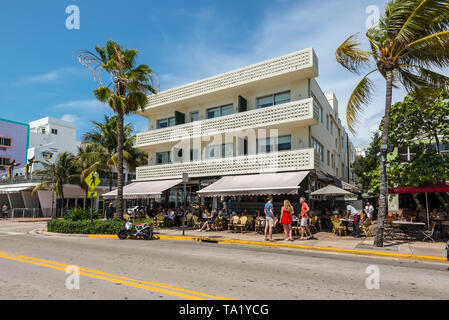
column 426, row 187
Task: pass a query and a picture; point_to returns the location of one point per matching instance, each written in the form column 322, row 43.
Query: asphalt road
column 34, row 267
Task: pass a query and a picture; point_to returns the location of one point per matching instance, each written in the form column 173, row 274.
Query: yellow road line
column 163, row 288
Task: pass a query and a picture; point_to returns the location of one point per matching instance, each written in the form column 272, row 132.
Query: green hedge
column 80, row 214
column 84, row 227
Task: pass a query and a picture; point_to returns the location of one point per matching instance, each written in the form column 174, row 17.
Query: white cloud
column 47, row 77
column 70, row 118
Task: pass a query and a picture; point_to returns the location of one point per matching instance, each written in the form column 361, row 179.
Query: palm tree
column 104, row 136
column 411, row 38
column 127, row 92
column 55, row 175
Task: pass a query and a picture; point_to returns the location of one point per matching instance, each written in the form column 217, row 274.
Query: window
column 163, row 157
column 333, row 160
column 4, row 161
column 318, row 148
column 220, row 111
column 327, row 122
column 336, row 143
column 194, row 116
column 5, row 142
column 214, row 152
column 320, row 110
column 328, row 158
column 332, row 127
column 164, row 123
column 265, row 145
column 273, row 99
column 54, row 131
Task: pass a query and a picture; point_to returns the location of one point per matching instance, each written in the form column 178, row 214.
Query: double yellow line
column 91, row 273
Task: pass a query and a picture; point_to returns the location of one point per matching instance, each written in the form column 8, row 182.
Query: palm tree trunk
column 120, row 120
column 443, row 200
column 379, row 239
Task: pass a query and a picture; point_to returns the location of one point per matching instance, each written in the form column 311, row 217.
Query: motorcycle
column 141, row 230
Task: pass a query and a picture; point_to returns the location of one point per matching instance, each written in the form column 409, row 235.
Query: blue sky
column 182, row 41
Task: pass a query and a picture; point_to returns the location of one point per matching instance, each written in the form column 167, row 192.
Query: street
column 33, row 267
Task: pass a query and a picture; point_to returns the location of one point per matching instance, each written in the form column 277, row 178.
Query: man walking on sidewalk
column 355, row 214
column 269, row 218
column 304, row 218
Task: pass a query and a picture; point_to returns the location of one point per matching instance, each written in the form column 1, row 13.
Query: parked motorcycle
column 141, row 230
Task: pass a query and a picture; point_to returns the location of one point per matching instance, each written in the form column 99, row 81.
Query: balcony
column 293, row 160
column 301, row 112
column 304, row 62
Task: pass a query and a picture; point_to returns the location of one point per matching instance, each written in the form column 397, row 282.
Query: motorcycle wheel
column 122, row 235
column 148, row 234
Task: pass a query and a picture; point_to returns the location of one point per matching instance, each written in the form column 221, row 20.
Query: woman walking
column 286, row 219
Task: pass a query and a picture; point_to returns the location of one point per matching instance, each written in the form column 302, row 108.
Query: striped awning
column 255, row 184
column 143, row 189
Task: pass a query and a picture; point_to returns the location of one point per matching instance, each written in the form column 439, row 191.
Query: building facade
column 13, row 145
column 267, row 117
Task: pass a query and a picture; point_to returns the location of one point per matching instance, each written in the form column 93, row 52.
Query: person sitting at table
column 434, row 214
column 170, row 218
column 210, row 221
column 205, row 214
column 442, row 214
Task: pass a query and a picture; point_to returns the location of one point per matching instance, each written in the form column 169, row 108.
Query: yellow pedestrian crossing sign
column 92, row 181
column 92, row 194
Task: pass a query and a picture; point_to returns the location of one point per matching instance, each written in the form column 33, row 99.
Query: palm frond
column 350, row 57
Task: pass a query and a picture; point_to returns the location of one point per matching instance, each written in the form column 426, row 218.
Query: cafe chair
column 428, row 234
column 241, row 225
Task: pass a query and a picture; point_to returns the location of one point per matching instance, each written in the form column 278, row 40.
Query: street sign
column 92, row 181
column 92, row 194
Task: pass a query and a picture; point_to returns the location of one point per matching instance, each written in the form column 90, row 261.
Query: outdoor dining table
column 409, row 228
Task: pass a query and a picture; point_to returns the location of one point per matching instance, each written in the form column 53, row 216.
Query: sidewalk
column 325, row 242
column 25, row 220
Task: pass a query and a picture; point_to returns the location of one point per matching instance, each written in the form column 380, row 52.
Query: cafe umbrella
column 331, row 191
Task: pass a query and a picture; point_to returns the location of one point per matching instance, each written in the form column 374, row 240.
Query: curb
column 292, row 246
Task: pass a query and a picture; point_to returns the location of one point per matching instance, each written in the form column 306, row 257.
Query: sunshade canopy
column 331, row 190
column 143, row 189
column 424, row 188
column 255, row 184
column 14, row 190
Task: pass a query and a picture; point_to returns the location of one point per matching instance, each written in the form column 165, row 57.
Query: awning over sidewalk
column 424, row 188
column 255, row 184
column 14, row 190
column 143, row 189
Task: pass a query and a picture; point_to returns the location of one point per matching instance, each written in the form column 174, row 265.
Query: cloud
column 91, row 106
column 48, row 77
column 70, row 118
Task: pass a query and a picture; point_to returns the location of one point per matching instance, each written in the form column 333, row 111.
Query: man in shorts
column 269, row 218
column 304, row 218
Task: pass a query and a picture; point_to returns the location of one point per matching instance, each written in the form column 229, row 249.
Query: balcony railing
column 296, row 61
column 305, row 110
column 37, row 179
column 294, row 160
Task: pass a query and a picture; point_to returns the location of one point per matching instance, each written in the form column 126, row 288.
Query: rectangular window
column 163, row 157
column 54, row 131
column 194, row 116
column 4, row 161
column 336, row 143
column 215, row 151
column 328, row 158
column 5, row 142
column 220, row 111
column 164, row 123
column 332, row 127
column 273, row 99
column 318, row 148
column 327, row 122
column 266, row 145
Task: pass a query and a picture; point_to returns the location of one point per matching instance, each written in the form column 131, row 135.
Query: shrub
column 84, row 226
column 80, row 214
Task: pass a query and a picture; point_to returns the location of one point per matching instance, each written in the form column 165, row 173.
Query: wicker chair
column 235, row 220
column 364, row 226
column 160, row 221
column 242, row 225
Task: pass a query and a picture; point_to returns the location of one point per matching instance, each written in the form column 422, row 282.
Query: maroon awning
column 424, row 188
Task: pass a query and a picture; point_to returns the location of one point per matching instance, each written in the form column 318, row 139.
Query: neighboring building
column 267, row 117
column 13, row 145
column 48, row 138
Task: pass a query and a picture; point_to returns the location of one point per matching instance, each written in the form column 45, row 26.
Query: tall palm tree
column 56, row 175
column 127, row 92
column 104, row 136
column 411, row 39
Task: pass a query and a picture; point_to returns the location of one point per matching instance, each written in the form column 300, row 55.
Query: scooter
column 141, row 230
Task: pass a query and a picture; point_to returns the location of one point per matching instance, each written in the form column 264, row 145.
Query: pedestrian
column 269, row 218
column 5, row 211
column 304, row 218
column 286, row 219
column 109, row 212
column 369, row 210
column 355, row 214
